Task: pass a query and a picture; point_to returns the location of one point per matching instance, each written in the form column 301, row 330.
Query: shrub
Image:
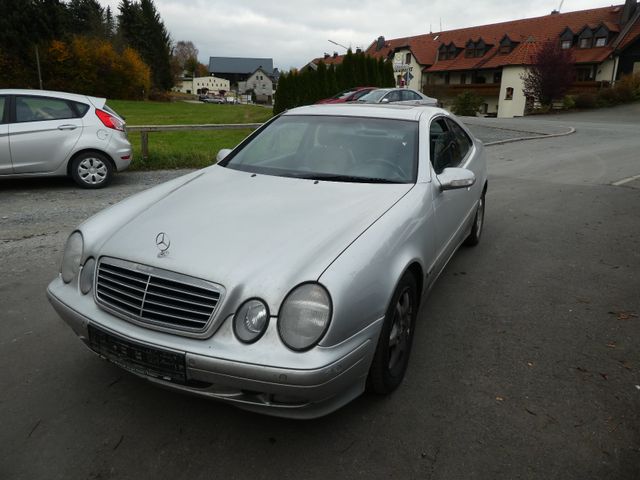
column 586, row 100
column 160, row 96
column 467, row 104
column 568, row 102
column 629, row 88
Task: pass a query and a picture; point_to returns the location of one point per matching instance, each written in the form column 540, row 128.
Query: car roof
column 97, row 102
column 372, row 110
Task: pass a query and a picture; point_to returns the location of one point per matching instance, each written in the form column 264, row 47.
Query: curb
column 571, row 131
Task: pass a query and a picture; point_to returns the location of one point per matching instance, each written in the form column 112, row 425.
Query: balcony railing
column 587, row 87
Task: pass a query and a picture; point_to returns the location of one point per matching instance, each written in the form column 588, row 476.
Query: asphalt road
column 526, row 361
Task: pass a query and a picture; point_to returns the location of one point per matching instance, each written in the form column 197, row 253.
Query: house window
column 407, row 59
column 505, row 49
column 497, row 77
column 585, row 43
column 584, row 74
column 566, row 44
column 601, row 41
column 509, row 94
column 446, row 78
column 468, row 52
column 463, row 78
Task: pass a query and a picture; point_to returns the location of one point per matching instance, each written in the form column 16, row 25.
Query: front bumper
column 274, row 390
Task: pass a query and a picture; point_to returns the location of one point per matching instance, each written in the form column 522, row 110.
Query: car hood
column 256, row 235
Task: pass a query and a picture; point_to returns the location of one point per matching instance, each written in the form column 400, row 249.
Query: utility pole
column 38, row 63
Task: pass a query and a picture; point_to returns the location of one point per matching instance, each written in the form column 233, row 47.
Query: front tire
column 394, row 344
column 92, row 170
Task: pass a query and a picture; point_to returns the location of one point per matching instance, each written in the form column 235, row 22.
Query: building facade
column 202, row 85
column 261, row 84
column 490, row 60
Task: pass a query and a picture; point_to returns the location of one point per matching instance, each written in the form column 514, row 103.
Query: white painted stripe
column 626, row 180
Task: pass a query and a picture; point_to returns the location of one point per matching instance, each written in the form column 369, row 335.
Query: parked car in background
column 46, row 133
column 304, row 289
column 398, row 95
column 218, row 100
column 349, row 95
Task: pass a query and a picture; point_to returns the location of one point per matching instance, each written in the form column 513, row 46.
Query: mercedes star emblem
column 163, row 243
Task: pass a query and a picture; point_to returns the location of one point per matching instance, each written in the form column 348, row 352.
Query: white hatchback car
column 46, row 133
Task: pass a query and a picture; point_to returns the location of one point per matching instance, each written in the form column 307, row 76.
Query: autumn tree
column 141, row 28
column 550, row 75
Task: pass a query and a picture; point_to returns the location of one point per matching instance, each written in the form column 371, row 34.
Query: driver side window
column 441, row 145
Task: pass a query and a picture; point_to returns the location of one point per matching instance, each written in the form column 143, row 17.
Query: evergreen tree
column 322, row 81
column 86, row 17
column 141, row 28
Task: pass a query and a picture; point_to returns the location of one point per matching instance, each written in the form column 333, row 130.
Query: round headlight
column 72, row 256
column 250, row 321
column 304, row 316
column 86, row 276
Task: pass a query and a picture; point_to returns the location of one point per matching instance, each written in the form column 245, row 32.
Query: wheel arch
column 89, row 150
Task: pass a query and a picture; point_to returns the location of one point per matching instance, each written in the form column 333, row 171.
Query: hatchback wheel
column 91, row 170
column 394, row 345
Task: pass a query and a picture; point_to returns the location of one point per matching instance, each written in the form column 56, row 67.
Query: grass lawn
column 185, row 149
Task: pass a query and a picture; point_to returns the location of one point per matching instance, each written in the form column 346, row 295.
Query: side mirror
column 222, row 154
column 455, row 178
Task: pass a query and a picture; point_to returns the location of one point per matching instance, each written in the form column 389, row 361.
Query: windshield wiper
column 329, row 177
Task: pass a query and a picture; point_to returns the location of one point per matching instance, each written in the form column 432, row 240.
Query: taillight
column 109, row 120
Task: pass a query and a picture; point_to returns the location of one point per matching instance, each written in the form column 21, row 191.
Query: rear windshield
column 110, row 110
column 349, row 149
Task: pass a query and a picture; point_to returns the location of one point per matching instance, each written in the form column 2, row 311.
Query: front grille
column 156, row 297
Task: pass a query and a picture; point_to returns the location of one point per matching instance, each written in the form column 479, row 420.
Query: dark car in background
column 350, row 95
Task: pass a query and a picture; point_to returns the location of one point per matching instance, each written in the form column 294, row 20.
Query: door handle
column 67, row 127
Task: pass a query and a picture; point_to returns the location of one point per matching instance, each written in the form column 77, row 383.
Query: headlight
column 250, row 321
column 72, row 256
column 86, row 277
column 304, row 316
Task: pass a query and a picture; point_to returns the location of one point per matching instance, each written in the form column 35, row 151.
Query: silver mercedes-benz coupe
column 287, row 278
column 45, row 133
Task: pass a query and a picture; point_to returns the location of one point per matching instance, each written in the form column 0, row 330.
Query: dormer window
column 601, row 41
column 506, row 45
column 443, row 52
column 469, row 49
column 480, row 48
column 585, row 40
column 566, row 39
column 453, row 51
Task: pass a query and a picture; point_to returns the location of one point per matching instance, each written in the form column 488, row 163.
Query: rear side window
column 39, row 109
column 81, row 108
column 409, row 95
column 3, row 103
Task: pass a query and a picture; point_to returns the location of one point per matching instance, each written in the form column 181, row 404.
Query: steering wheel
column 397, row 171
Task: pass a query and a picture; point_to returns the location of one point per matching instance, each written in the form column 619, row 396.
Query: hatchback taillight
column 109, row 120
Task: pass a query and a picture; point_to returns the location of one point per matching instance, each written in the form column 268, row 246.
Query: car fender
column 362, row 280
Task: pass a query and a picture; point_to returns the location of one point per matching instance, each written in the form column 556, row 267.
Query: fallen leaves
column 624, row 314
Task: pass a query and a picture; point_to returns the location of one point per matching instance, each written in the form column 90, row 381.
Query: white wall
column 214, row 84
column 515, row 107
column 604, row 71
column 414, row 68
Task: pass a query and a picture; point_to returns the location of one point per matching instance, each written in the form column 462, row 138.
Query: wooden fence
column 145, row 130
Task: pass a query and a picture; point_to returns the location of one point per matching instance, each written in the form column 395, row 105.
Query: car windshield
column 343, row 94
column 347, row 149
column 373, row 97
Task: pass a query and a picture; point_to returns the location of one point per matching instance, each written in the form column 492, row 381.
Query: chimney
column 335, row 54
column 380, row 43
column 554, row 12
column 326, row 55
column 629, row 9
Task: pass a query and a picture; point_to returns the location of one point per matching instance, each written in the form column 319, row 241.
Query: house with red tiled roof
column 491, row 59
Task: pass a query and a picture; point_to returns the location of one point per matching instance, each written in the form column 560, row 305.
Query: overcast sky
column 292, row 32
